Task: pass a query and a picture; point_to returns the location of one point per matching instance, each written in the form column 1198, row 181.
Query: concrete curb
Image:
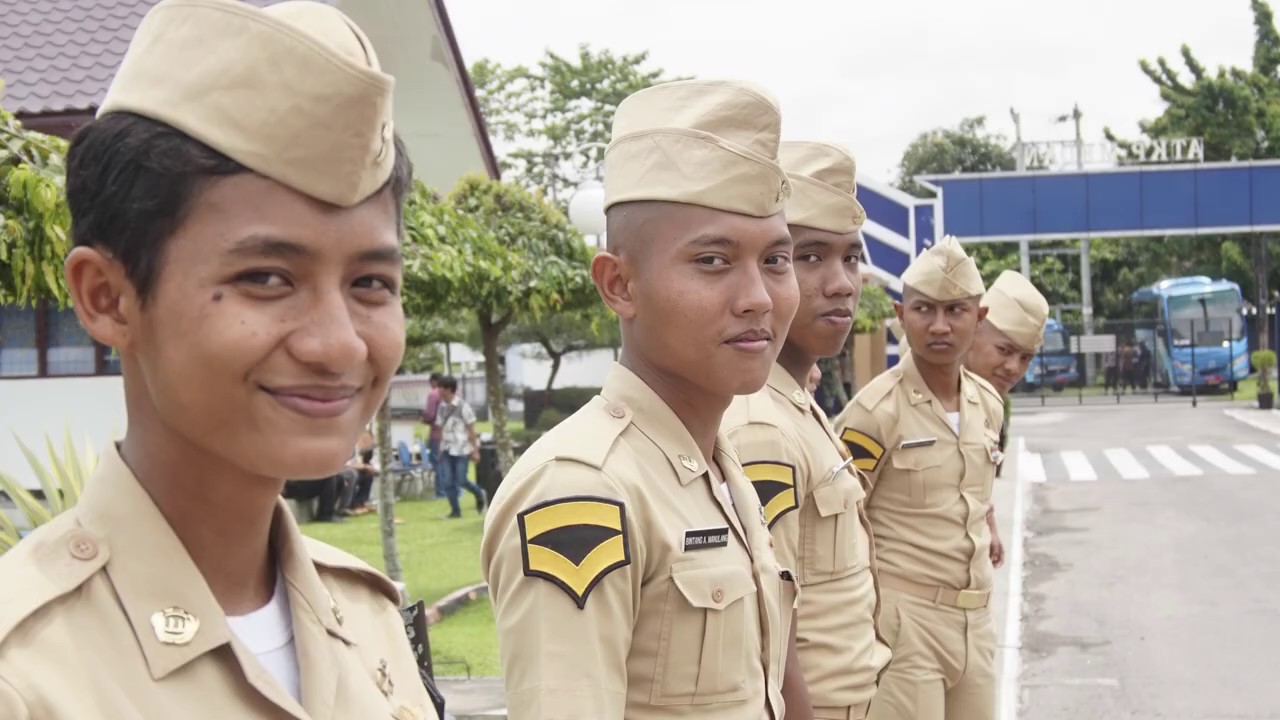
column 455, row 601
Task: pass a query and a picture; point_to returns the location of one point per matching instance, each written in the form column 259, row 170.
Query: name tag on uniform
column 918, row 443
column 706, row 539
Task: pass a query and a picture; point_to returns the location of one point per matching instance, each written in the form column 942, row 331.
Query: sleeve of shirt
column 433, row 406
column 863, row 435
column 564, row 566
column 780, row 476
column 468, row 414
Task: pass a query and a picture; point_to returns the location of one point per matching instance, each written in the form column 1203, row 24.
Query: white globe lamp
column 586, row 208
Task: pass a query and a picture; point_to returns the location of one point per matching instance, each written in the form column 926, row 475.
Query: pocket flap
column 712, row 587
column 916, row 460
column 837, row 496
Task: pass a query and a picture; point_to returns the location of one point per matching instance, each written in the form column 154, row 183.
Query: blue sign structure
column 1198, row 199
column 898, row 227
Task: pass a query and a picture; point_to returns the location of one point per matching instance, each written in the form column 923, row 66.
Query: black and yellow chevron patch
column 775, row 484
column 865, row 449
column 575, row 542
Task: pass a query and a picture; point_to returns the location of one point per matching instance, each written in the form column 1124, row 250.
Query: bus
column 1053, row 365
column 1196, row 328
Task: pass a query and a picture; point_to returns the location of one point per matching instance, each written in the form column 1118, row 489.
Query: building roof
column 57, row 58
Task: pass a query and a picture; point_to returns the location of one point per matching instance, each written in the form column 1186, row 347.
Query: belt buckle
column 970, row 599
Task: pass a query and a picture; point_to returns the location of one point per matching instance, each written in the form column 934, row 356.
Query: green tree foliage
column 564, row 333
column 501, row 253
column 34, row 221
column 546, row 111
column 969, row 147
column 874, row 307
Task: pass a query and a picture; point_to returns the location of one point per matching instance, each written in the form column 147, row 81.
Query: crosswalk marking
column 1032, row 467
column 1126, row 464
column 1078, row 467
column 1217, row 457
column 1260, row 454
column 1169, row 457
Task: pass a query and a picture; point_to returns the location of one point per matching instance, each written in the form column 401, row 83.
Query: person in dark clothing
column 362, row 465
column 327, row 490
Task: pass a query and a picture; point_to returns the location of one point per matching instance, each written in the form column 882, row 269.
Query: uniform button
column 717, row 595
column 616, row 410
column 82, row 547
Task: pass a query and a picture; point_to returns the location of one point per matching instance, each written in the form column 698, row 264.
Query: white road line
column 1126, row 464
column 1011, row 659
column 1167, row 457
column 1031, row 465
column 1260, row 454
column 1219, row 458
column 1078, row 467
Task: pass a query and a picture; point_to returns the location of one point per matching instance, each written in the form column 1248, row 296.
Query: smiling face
column 272, row 330
column 705, row 296
column 830, row 283
column 997, row 359
column 939, row 333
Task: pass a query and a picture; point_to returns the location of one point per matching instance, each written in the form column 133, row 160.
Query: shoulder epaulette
column 44, row 566
column 594, row 429
column 879, row 388
column 330, row 557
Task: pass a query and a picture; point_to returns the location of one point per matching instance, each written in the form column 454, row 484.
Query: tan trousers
column 943, row 665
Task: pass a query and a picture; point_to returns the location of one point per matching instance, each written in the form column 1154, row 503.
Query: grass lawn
column 438, row 556
column 466, row 642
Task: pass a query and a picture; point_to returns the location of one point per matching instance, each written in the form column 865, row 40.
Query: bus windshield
column 1054, row 342
column 1217, row 312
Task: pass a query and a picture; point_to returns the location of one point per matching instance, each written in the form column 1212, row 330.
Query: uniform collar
column 651, row 414
column 152, row 573
column 918, row 391
column 783, row 383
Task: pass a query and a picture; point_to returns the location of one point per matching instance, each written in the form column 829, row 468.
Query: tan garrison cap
column 293, row 92
column 823, row 193
column 944, row 273
column 1017, row 309
column 703, row 142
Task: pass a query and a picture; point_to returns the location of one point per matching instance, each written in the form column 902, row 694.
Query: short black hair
column 435, row 377
column 130, row 181
column 449, row 382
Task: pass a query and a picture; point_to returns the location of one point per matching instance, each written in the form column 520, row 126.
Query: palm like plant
column 61, row 481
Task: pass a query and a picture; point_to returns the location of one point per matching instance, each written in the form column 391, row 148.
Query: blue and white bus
column 1054, row 366
column 1216, row 354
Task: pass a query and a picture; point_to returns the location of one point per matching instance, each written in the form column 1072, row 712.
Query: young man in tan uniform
column 630, row 569
column 926, row 433
column 801, row 471
column 235, row 213
column 1003, row 348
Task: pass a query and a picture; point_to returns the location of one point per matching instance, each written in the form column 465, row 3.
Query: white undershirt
column 268, row 633
column 954, row 419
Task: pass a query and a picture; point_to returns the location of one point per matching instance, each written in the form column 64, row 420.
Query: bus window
column 1217, row 312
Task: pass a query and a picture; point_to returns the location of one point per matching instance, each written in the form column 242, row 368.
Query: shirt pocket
column 832, row 535
column 912, row 469
column 980, row 466
column 702, row 651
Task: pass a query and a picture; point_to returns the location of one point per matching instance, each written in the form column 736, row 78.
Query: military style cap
column 293, row 92
column 823, row 193
column 1017, row 309
column 712, row 143
column 944, row 273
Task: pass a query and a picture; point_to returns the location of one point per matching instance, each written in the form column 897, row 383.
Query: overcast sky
column 873, row 75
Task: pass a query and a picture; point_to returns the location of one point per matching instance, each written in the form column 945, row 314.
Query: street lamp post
column 586, row 207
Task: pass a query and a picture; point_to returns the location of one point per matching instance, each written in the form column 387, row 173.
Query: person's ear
column 105, row 300
column 612, row 277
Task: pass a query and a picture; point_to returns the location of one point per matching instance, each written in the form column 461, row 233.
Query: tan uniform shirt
column 623, row 581
column 930, row 487
column 813, row 504
column 85, row 601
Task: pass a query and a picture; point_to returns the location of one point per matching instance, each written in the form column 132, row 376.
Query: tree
column 1237, row 112
column 969, row 147
column 547, row 111
column 34, row 221
column 564, row 333
column 498, row 251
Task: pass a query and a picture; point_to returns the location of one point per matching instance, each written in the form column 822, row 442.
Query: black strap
column 415, row 627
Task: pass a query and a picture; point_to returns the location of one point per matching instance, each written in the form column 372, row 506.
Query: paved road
column 1152, row 567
